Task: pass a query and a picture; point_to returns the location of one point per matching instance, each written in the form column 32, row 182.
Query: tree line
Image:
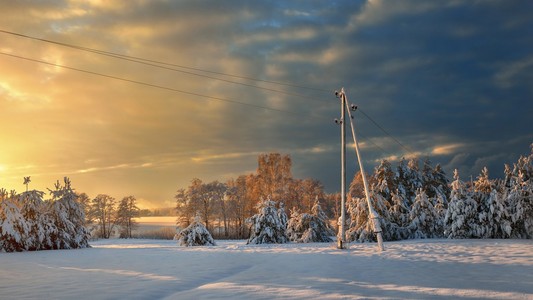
column 412, row 201
column 224, row 207
column 104, row 216
column 415, row 203
column 66, row 220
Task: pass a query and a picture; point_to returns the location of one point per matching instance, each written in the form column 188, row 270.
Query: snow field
column 160, row 269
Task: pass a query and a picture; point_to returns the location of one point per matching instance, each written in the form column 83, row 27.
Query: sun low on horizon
column 140, row 97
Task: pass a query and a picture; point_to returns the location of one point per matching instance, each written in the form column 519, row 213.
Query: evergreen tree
column 462, row 214
column 482, row 191
column 384, row 180
column 69, row 218
column 14, row 229
column 499, row 224
column 266, row 226
column 196, row 234
column 360, row 228
column 37, row 213
column 520, row 204
column 441, row 206
column 414, row 180
column 307, row 228
column 423, row 217
column 401, row 180
column 439, row 186
column 399, row 210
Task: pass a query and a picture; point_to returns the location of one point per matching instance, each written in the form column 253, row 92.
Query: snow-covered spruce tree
column 266, row 226
column 441, row 206
column 518, row 196
column 462, row 214
column 423, row 217
column 69, row 218
column 196, row 234
column 499, row 223
column 13, row 227
column 414, row 179
column 361, row 228
column 435, row 182
column 317, row 211
column 520, row 206
column 384, row 180
column 399, row 211
column 309, row 228
column 37, row 213
column 482, row 190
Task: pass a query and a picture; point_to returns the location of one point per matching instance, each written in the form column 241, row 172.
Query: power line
column 176, row 90
column 161, row 64
column 152, row 85
column 386, row 132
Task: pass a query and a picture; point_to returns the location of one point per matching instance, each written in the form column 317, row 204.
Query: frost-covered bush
column 196, row 234
column 266, row 227
column 308, row 228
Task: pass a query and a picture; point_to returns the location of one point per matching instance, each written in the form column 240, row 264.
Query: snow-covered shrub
column 308, row 228
column 196, row 234
column 266, row 226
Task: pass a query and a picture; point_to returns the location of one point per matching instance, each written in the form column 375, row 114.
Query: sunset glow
column 451, row 81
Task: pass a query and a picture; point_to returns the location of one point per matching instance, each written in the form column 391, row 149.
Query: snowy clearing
column 156, row 269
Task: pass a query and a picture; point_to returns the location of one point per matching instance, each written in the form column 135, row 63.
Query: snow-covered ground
column 155, row 269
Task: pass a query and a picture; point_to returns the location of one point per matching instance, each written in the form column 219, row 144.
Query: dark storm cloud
column 432, row 74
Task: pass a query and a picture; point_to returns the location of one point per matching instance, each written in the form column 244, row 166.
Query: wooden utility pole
column 372, row 213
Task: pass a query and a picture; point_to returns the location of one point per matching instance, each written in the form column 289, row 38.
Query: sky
column 446, row 80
